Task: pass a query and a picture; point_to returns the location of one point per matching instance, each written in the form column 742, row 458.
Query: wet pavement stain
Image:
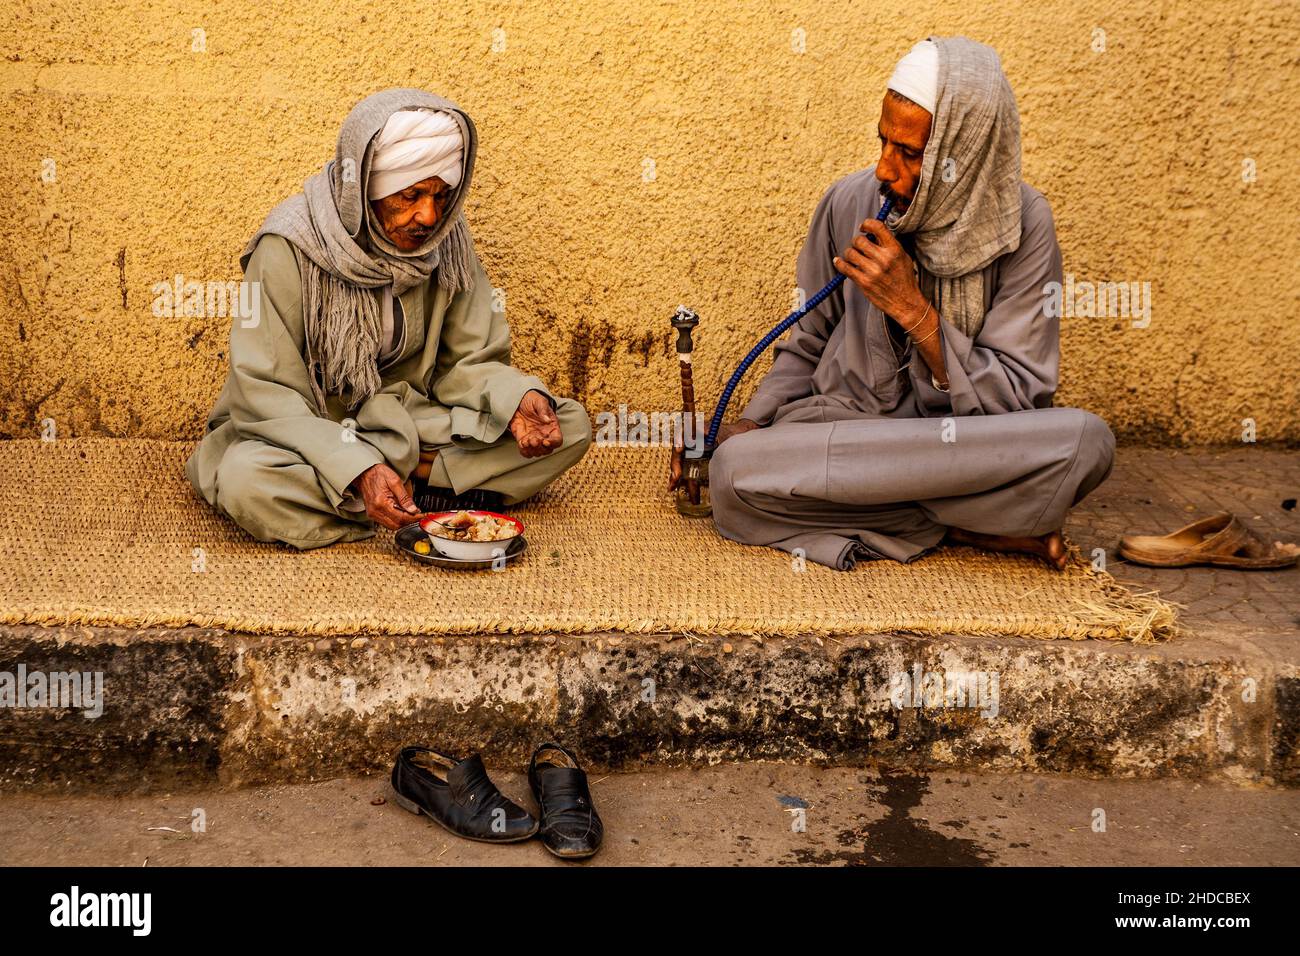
column 898, row 839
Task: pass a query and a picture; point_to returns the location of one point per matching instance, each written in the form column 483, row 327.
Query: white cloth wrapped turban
column 412, row 146
column 917, row 75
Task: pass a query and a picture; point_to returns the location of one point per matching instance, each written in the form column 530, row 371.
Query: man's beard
column 902, row 202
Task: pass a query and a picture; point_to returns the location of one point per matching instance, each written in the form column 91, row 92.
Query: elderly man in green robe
column 373, row 378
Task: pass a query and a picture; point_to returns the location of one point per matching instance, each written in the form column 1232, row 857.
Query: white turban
column 412, row 146
column 917, row 75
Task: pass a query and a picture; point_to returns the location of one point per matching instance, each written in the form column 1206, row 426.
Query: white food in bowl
column 476, row 525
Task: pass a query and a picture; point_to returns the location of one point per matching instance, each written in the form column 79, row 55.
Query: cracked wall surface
column 133, row 157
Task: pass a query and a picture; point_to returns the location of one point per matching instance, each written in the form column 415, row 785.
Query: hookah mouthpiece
column 890, row 215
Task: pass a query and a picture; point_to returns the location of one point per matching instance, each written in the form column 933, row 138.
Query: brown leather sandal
column 1220, row 540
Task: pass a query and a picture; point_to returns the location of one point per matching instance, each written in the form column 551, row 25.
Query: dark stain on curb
column 163, row 720
column 1286, row 731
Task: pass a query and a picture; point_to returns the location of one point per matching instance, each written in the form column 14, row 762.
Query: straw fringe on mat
column 105, row 531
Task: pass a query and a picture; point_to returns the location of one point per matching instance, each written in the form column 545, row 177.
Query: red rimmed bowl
column 468, row 550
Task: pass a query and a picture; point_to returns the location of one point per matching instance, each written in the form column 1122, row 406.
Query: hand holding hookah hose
column 716, row 423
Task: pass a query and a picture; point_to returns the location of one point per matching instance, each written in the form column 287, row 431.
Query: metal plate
column 405, row 538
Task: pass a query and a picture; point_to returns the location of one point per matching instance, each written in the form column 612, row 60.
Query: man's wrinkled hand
column 736, row 428
column 883, row 271
column 535, row 426
column 677, row 460
column 676, row 469
column 388, row 501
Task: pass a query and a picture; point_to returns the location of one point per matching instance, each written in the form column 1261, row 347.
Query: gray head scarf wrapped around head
column 966, row 211
column 343, row 254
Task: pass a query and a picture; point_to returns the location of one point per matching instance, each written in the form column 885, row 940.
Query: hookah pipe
column 690, row 478
column 684, row 321
column 716, row 423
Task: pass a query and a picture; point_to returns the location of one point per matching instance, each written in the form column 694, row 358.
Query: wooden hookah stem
column 684, row 321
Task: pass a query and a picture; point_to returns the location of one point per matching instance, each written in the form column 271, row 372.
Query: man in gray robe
column 915, row 403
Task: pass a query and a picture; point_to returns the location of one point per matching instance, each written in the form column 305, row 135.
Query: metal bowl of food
column 471, row 535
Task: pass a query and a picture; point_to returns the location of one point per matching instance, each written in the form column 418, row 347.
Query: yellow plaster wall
column 166, row 159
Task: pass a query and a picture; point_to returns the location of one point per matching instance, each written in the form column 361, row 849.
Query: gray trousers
column 854, row 488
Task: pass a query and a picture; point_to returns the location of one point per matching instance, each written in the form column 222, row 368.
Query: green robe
column 282, row 472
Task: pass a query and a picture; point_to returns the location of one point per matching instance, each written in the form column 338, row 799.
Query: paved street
column 726, row 815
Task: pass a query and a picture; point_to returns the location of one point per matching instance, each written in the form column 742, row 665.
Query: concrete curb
column 201, row 707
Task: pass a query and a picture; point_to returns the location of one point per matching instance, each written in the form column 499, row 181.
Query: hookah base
column 692, row 496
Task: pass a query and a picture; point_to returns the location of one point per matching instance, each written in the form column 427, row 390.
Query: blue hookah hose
column 716, row 422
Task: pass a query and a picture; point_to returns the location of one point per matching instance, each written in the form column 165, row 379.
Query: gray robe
column 864, row 457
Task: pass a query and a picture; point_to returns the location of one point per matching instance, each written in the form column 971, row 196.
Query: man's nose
column 427, row 212
column 887, row 167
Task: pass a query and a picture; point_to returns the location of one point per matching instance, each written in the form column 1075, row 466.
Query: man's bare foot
column 1050, row 547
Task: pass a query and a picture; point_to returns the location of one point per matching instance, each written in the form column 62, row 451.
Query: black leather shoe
column 571, row 828
column 459, row 796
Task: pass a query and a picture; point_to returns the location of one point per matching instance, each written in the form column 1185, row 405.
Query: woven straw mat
column 105, row 531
